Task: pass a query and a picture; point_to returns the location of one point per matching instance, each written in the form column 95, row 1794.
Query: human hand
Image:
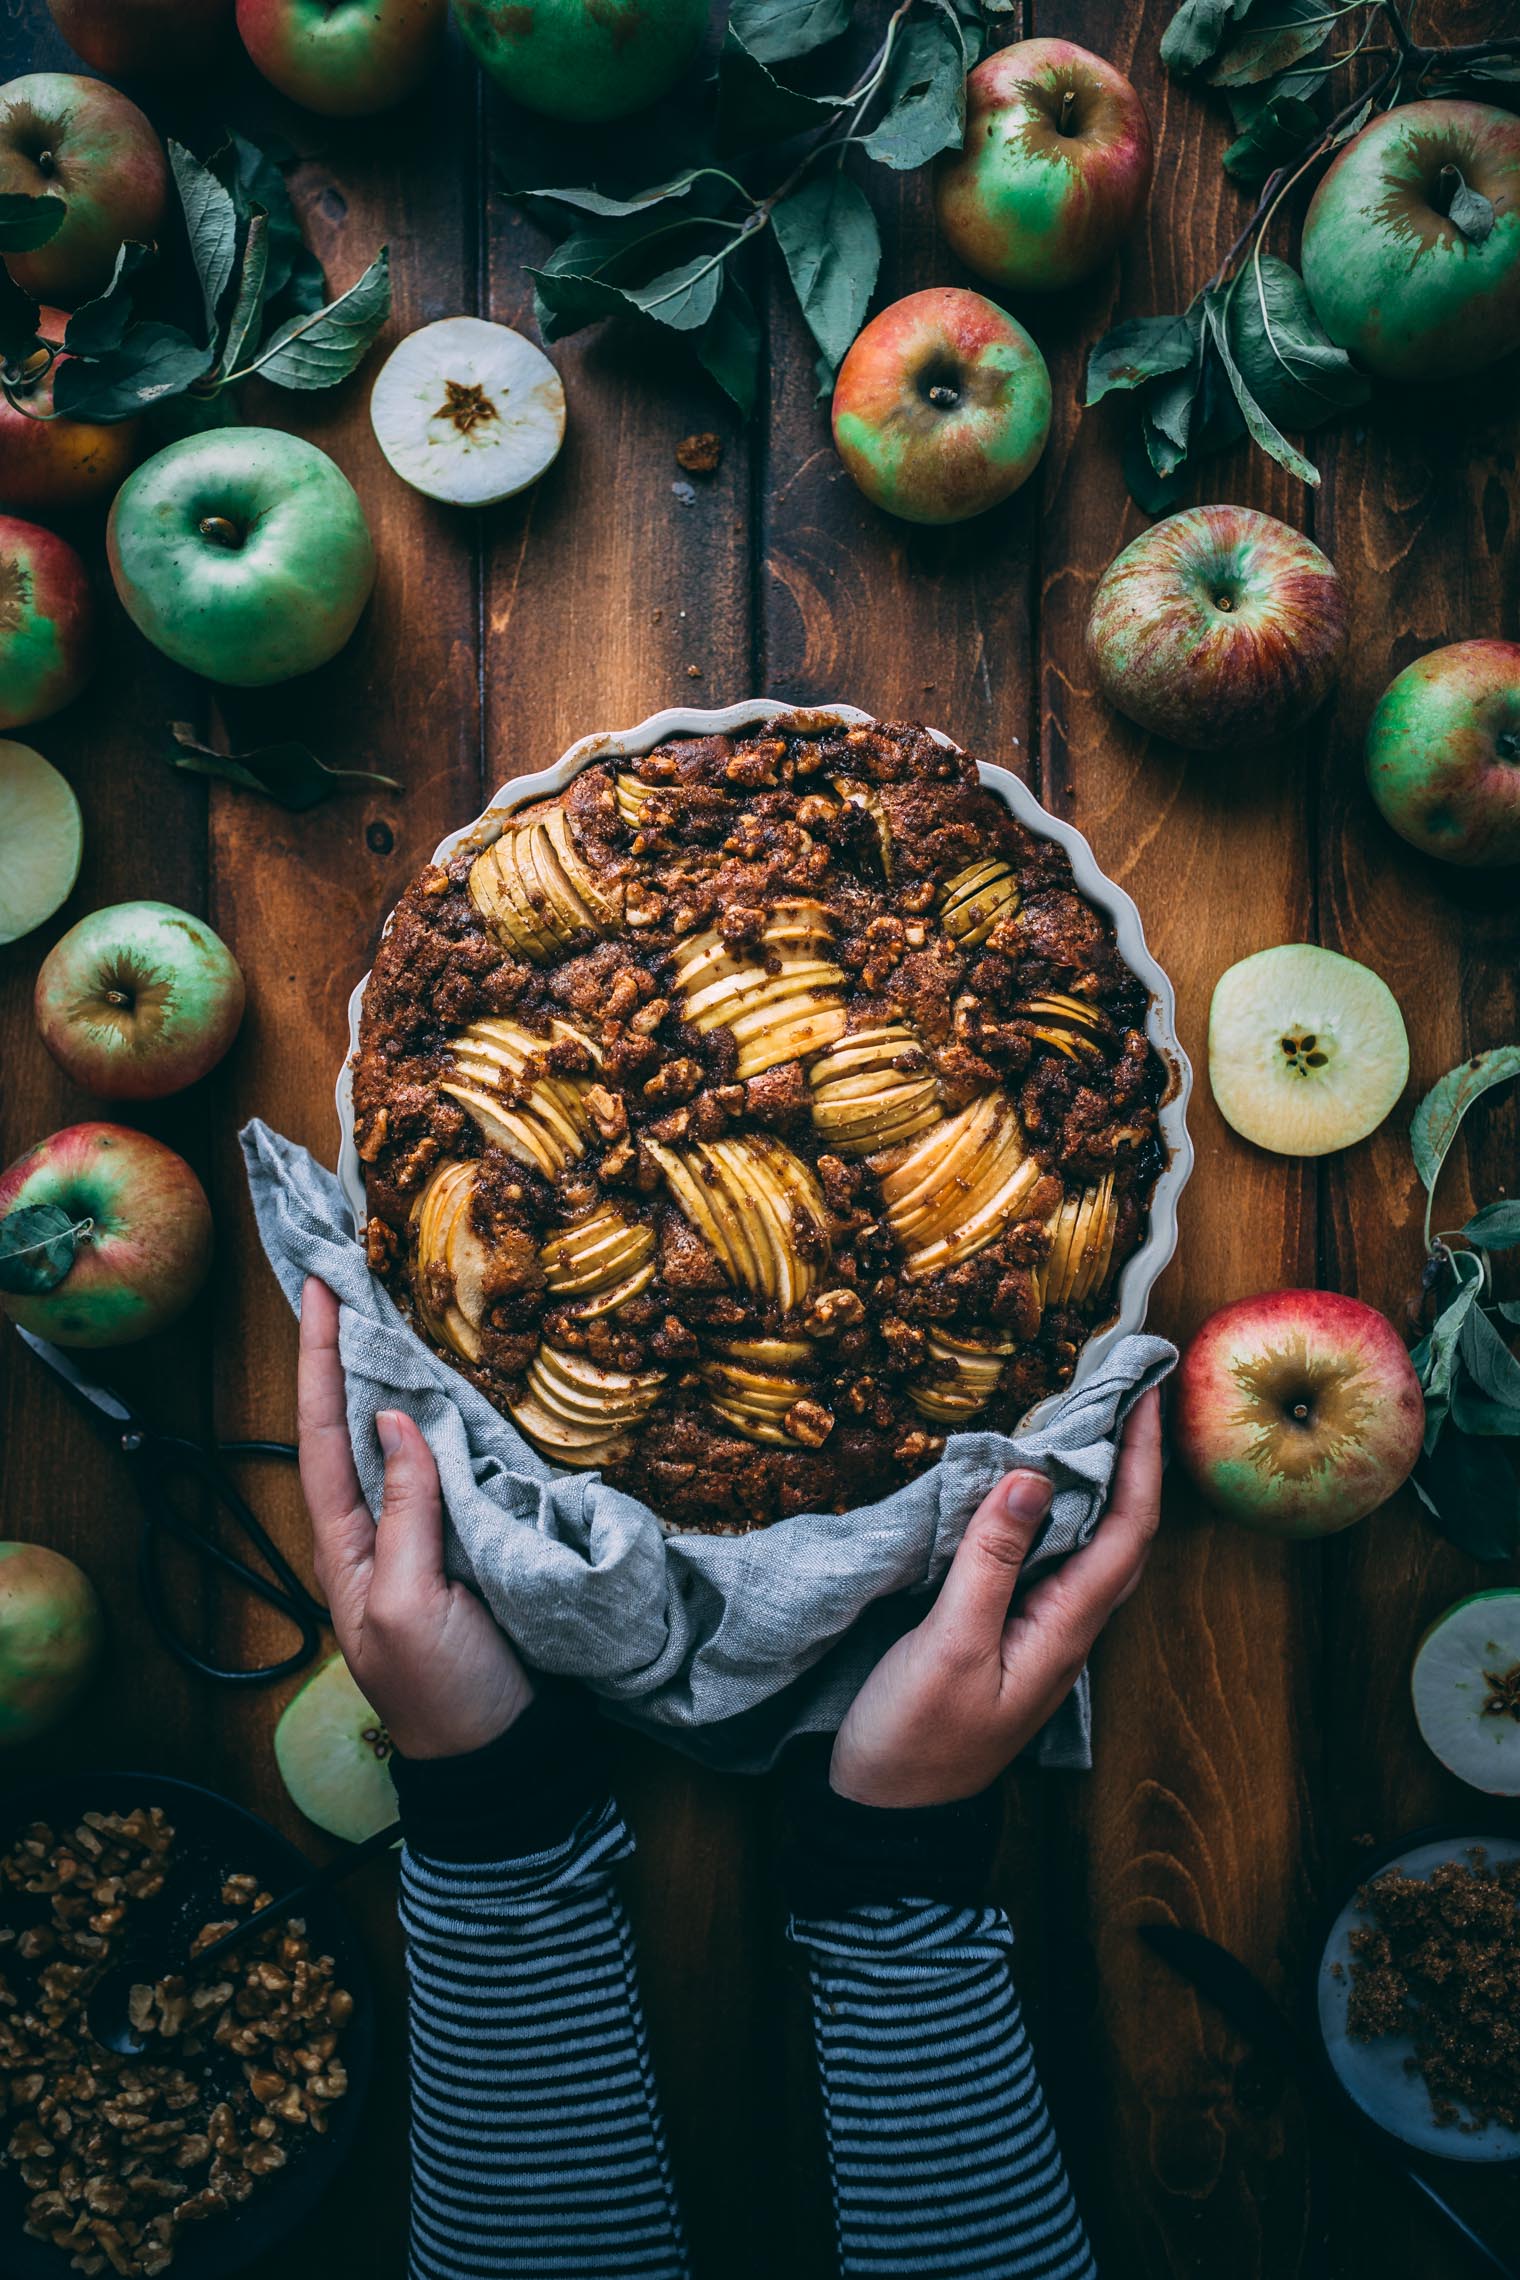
column 954, row 1701
column 425, row 1652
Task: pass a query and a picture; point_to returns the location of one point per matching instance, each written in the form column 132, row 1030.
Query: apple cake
column 754, row 1114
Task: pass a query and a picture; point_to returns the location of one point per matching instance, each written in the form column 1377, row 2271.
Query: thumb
column 973, row 1602
column 409, row 1532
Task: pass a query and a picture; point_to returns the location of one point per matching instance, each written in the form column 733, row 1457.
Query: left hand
column 426, row 1654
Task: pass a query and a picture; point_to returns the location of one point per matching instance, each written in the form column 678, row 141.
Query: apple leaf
column 1495, row 1228
column 1138, row 350
column 289, row 774
column 1270, row 38
column 211, row 224
column 1439, row 1116
column 1468, row 1485
column 1197, row 33
column 1468, row 210
column 248, row 308
column 20, row 316
column 317, row 348
column 1277, row 132
column 730, row 343
column 101, row 325
column 637, row 201
column 828, row 238
column 776, row 30
column 37, row 1246
column 1441, row 1356
column 685, row 297
column 1263, row 433
column 256, row 180
column 923, row 95
column 154, row 361
column 27, row 222
column 755, row 107
column 1293, row 369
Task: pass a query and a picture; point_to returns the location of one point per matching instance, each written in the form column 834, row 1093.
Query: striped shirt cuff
column 522, row 1794
column 843, row 1855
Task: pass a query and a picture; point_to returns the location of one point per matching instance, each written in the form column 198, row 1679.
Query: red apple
column 1054, row 168
column 1298, row 1412
column 1218, row 628
column 142, row 39
column 942, row 406
column 143, row 1243
column 50, row 465
column 50, row 1638
column 81, row 141
column 1443, row 752
column 343, row 57
column 47, row 623
column 138, row 1000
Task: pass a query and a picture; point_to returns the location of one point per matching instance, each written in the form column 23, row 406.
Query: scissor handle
column 281, row 1589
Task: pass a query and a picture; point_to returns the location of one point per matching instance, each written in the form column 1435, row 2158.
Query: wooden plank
column 1200, row 1807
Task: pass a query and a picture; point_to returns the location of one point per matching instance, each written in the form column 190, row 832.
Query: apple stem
column 944, row 395
column 1068, row 105
column 218, row 530
column 117, row 997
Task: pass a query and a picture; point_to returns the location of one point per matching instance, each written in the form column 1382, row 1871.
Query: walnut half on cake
column 754, row 1114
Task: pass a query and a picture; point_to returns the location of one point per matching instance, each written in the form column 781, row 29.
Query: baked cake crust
column 754, row 1114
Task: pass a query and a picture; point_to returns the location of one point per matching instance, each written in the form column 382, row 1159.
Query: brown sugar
column 1440, row 1962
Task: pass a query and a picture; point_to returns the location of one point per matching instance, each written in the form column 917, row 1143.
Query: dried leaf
column 290, row 774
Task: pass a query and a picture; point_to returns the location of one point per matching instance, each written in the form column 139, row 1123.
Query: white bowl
column 1138, row 1276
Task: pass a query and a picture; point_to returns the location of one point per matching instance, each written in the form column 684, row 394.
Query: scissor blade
column 98, row 1396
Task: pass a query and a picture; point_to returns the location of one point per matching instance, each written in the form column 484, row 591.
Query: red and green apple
column 50, row 1638
column 1297, row 1412
column 583, row 60
column 142, row 39
column 941, row 407
column 1443, row 752
column 50, row 465
column 47, row 623
column 138, row 1000
column 84, row 142
column 1054, row 168
column 1219, row 627
column 345, row 58
column 141, row 1241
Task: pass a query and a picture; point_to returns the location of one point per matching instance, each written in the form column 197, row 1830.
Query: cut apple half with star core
column 1307, row 1049
column 468, row 412
column 1466, row 1687
column 41, row 839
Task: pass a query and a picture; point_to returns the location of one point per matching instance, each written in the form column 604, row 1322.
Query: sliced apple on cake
column 452, row 1261
column 1068, row 1024
column 782, row 1000
column 752, row 1383
column 600, row 1262
column 578, row 1413
column 869, row 800
column 1081, row 1245
column 535, row 893
column 956, row 1187
column 961, row 1379
column 757, row 1205
column 873, row 1090
column 499, row 1073
column 972, row 903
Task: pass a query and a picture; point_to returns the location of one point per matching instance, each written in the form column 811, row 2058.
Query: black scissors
column 157, row 1458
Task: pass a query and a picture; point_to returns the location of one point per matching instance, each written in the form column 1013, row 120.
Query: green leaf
column 577, row 284
column 26, row 222
column 924, row 94
column 1293, row 369
column 1469, row 1487
column 256, row 180
column 1258, row 426
column 290, row 774
column 1445, row 1341
column 1278, row 132
column 1509, row 1308
column 828, row 239
column 210, row 224
column 317, row 348
column 153, row 361
column 1469, row 211
column 1489, row 1362
column 729, row 345
column 1273, row 36
column 20, row 316
column 248, row 308
column 754, row 106
column 37, row 1246
column 1495, row 1228
column 1438, row 1118
column 637, row 201
column 1138, row 350
column 101, row 325
column 1195, row 35
column 776, row 30
column 683, row 298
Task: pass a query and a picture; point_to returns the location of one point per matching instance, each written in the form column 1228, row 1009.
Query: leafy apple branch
column 254, row 301
column 1248, row 356
column 905, row 106
column 1470, row 1377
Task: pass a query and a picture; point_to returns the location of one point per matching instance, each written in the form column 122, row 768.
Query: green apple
column 942, row 406
column 1443, row 752
column 47, row 623
column 138, row 1000
column 50, row 1638
column 1411, row 245
column 243, row 554
column 141, row 1243
column 1053, row 170
column 79, row 140
column 345, row 58
column 583, row 59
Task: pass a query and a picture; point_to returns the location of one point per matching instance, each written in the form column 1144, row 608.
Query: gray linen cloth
column 723, row 1645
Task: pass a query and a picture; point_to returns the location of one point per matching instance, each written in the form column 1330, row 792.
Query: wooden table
column 1253, row 1725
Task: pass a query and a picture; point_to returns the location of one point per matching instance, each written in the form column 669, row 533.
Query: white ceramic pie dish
column 1137, row 1277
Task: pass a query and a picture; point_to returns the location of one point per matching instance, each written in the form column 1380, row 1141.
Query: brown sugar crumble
column 1440, row 1961
column 754, row 1114
column 700, row 454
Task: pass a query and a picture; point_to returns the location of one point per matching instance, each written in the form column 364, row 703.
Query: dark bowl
column 213, row 1839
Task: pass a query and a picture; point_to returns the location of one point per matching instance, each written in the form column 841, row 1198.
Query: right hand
column 425, row 1653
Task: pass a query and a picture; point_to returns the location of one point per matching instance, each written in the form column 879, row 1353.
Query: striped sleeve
column 941, row 2151
column 537, row 2145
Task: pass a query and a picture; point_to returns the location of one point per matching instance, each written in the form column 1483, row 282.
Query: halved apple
column 534, row 891
column 1081, row 1246
column 753, row 1382
column 972, row 903
column 959, row 1185
column 748, row 1198
column 576, row 1412
column 962, row 1378
column 873, row 1090
column 493, row 1060
column 600, row 1262
column 1070, row 1025
column 779, row 1011
column 868, row 798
